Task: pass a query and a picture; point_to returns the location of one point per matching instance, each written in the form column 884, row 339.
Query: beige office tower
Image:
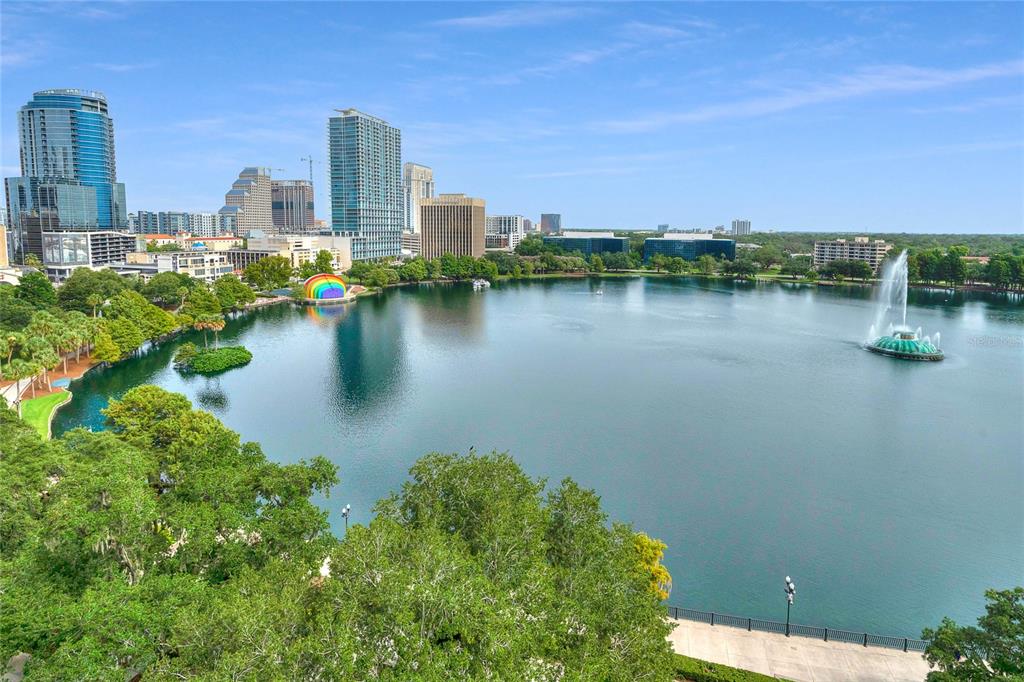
column 452, row 223
column 417, row 185
column 4, row 261
column 248, row 201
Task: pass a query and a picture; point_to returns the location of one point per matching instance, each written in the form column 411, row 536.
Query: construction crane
column 311, row 161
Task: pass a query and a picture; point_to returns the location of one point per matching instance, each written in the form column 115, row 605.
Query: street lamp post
column 345, row 511
column 790, row 591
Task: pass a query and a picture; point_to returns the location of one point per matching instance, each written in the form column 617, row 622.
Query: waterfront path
column 800, row 659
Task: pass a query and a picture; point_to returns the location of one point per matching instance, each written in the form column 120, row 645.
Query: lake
column 740, row 423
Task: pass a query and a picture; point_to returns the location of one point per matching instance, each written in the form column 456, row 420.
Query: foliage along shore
column 535, row 259
column 104, row 316
column 166, row 546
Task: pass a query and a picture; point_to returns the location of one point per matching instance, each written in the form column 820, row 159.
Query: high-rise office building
column 248, row 201
column 452, row 223
column 68, row 134
column 291, row 203
column 550, row 223
column 512, row 229
column 740, row 227
column 417, row 184
column 68, row 173
column 366, row 183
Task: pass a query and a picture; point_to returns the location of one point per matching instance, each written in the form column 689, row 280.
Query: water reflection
column 450, row 310
column 212, row 397
column 328, row 314
column 369, row 356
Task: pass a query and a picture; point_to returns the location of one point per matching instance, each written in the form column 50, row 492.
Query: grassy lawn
column 695, row 670
column 37, row 411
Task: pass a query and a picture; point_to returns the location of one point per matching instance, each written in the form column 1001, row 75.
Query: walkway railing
column 826, row 634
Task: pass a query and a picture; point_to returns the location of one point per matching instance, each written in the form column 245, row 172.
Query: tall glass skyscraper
column 68, row 175
column 366, row 183
column 68, row 134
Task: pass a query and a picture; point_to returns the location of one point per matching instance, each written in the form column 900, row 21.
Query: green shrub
column 218, row 359
column 696, row 670
column 185, row 354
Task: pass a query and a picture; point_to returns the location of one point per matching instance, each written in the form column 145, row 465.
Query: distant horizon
column 865, row 233
column 894, row 117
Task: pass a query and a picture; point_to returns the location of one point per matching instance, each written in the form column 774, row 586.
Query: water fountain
column 899, row 340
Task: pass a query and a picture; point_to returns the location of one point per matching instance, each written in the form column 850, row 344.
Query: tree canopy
column 272, row 272
column 165, row 545
column 994, row 650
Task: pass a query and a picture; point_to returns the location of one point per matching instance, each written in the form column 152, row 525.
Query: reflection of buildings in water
column 370, row 354
column 450, row 309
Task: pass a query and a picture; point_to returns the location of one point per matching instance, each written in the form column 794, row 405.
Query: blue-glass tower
column 366, row 183
column 67, row 135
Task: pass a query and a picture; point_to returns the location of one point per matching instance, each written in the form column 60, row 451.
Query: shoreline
column 775, row 279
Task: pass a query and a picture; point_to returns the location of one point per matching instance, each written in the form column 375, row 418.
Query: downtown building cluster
column 68, row 210
column 391, row 209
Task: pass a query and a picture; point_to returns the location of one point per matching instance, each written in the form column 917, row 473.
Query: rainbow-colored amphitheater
column 324, row 287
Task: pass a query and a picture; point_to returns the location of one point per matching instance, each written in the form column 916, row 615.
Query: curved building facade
column 67, row 134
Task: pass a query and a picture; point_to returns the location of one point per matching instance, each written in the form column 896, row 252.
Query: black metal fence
column 826, row 634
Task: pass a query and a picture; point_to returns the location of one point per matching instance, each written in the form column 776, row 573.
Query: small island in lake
column 190, row 358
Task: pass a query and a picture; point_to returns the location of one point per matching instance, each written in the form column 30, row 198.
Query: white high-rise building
column 366, row 183
column 249, row 201
column 740, row 227
column 204, row 224
column 417, row 184
column 513, row 226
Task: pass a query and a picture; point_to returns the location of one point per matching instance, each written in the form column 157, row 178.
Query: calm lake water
column 742, row 424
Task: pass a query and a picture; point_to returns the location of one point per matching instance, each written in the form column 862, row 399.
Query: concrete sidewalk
column 800, row 659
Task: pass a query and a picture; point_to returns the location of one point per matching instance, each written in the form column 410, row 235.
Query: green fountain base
column 904, row 344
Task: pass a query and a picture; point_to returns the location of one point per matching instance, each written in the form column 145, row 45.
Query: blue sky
column 853, row 116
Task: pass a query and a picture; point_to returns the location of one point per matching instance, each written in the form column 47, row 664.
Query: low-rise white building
column 300, row 248
column 861, row 248
column 206, row 266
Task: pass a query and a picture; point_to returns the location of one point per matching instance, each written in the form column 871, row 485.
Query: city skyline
column 860, row 118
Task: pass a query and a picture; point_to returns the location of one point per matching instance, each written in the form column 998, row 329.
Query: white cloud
column 527, row 15
column 640, row 29
column 970, row 106
column 123, row 67
column 866, row 82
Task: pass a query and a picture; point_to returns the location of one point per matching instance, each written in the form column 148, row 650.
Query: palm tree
column 217, row 324
column 30, row 369
column 205, row 323
column 18, row 369
column 182, row 294
column 78, row 327
column 41, row 353
column 67, row 341
column 12, row 341
column 94, row 301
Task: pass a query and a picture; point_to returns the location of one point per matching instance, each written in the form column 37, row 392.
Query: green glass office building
column 689, row 247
